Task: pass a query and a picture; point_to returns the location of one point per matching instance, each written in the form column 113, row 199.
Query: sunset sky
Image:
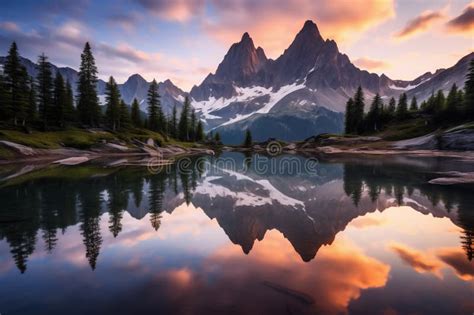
column 184, row 40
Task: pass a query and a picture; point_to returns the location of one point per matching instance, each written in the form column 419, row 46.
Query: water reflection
column 127, row 222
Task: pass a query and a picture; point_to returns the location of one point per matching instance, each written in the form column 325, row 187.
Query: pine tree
column 373, row 122
column 125, row 119
column 112, row 112
column 69, row 109
column 32, row 111
column 183, row 125
column 440, row 102
column 135, row 116
column 217, row 137
column 155, row 115
column 359, row 111
column 45, row 90
column 88, row 103
column 192, row 126
column 429, row 108
column 452, row 103
column 469, row 92
column 413, row 104
column 23, row 102
column 15, row 79
column 199, row 132
column 392, row 105
column 402, row 108
column 174, row 123
column 248, row 139
column 3, row 99
column 349, row 122
column 59, row 101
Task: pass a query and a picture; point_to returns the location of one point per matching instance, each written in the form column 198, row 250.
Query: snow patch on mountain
column 408, row 87
column 245, row 94
column 270, row 195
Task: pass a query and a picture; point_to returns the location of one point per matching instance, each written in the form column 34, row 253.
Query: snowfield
column 245, row 94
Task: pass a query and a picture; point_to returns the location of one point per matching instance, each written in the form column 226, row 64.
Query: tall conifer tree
column 69, row 109
column 59, row 101
column 413, row 104
column 87, row 101
column 349, row 122
column 469, row 91
column 174, row 123
column 45, row 90
column 112, row 112
column 402, row 107
column 16, row 86
column 155, row 115
column 359, row 110
column 135, row 115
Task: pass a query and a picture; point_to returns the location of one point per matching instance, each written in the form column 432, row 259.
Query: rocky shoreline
column 137, row 154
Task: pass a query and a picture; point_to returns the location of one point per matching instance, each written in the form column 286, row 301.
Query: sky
column 184, row 40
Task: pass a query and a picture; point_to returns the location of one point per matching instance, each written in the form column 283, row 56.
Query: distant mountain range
column 135, row 87
column 301, row 93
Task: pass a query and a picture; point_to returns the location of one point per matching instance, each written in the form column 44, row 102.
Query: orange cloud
column 463, row 23
column 417, row 260
column 176, row 10
column 456, row 259
column 9, row 26
column 324, row 285
column 419, row 24
column 273, row 24
column 367, row 221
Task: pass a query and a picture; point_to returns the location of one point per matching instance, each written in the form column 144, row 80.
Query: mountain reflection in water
column 157, row 240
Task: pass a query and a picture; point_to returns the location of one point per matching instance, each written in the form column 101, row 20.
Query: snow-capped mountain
column 301, row 93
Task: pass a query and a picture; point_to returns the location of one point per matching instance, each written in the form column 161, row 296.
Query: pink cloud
column 419, row 24
column 464, row 23
column 273, row 24
column 176, row 10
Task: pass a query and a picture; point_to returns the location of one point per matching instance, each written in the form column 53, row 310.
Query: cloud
column 325, row 285
column 417, row 260
column 456, row 259
column 419, row 24
column 463, row 23
column 127, row 21
column 371, row 64
column 126, row 52
column 9, row 26
column 273, row 24
column 176, row 10
column 120, row 60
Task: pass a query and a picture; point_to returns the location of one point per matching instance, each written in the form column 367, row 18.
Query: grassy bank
column 82, row 139
column 79, row 138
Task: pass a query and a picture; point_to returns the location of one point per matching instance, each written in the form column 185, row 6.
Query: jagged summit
column 310, row 27
column 135, row 79
column 245, row 37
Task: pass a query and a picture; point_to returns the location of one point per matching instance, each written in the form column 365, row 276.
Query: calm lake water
column 238, row 235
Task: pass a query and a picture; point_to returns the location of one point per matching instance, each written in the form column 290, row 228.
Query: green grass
column 405, row 130
column 74, row 138
column 6, row 154
column 141, row 135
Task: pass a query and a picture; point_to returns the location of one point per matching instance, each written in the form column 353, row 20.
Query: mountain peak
column 245, row 37
column 136, row 78
column 310, row 30
column 241, row 62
